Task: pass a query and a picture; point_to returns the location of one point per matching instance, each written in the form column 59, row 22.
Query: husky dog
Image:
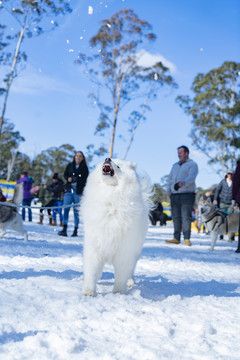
column 115, row 217
column 216, row 221
column 9, row 216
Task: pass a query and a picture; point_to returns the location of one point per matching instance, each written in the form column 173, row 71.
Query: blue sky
column 49, row 102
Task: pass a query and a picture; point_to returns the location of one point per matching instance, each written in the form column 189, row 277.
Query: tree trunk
column 10, row 79
column 10, row 165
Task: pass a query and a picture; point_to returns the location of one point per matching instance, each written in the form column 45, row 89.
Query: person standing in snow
column 56, row 189
column 46, row 198
column 223, row 196
column 2, row 197
column 223, row 192
column 236, row 196
column 76, row 174
column 181, row 189
column 27, row 196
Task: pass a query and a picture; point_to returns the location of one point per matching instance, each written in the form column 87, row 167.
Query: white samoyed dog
column 115, row 216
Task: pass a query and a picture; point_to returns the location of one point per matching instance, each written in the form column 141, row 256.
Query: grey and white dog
column 216, row 221
column 9, row 216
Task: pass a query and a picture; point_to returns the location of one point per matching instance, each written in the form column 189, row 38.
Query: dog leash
column 38, row 207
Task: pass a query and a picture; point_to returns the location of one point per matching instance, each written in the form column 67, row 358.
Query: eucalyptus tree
column 51, row 160
column 118, row 76
column 215, row 111
column 9, row 150
column 30, row 19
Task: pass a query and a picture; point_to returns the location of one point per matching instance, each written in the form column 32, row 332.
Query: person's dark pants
column 58, row 210
column 182, row 206
column 49, row 204
column 27, row 202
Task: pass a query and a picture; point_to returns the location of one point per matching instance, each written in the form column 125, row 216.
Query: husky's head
column 205, row 206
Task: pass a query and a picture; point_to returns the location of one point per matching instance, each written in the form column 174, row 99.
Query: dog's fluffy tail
column 18, row 194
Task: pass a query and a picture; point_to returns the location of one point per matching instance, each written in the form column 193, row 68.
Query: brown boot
column 61, row 223
column 40, row 220
column 54, row 223
column 173, row 241
column 50, row 220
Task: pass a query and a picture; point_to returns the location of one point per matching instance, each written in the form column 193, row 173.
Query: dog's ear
column 133, row 165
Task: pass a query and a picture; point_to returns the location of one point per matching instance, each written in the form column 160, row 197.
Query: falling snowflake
column 109, row 25
column 81, row 37
column 71, row 50
column 90, row 10
column 201, row 49
column 67, row 41
column 52, row 21
column 155, row 76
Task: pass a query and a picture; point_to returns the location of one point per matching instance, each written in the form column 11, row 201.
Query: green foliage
column 215, row 112
column 159, row 194
column 22, row 163
column 43, row 166
column 9, row 144
column 54, row 159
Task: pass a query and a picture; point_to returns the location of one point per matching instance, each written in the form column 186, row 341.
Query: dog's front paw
column 88, row 292
column 119, row 289
column 130, row 283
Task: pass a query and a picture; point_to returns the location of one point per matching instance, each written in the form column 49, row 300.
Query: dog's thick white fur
column 9, row 216
column 215, row 223
column 115, row 216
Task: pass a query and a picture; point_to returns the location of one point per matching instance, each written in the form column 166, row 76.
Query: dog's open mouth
column 107, row 169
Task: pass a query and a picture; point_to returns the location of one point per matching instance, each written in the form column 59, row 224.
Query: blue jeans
column 68, row 199
column 58, row 210
column 28, row 203
column 182, row 206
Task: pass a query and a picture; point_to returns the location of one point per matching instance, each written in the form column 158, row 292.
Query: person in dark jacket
column 27, row 196
column 46, row 198
column 223, row 193
column 56, row 188
column 236, row 196
column 76, row 174
column 223, row 196
column 2, row 197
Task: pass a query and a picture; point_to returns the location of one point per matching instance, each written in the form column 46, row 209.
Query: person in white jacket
column 181, row 190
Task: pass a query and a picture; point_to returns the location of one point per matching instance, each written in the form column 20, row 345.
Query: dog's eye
column 118, row 166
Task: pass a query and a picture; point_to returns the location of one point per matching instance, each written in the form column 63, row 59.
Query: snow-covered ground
column 185, row 304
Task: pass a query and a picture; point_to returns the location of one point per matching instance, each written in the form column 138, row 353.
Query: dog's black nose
column 107, row 160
